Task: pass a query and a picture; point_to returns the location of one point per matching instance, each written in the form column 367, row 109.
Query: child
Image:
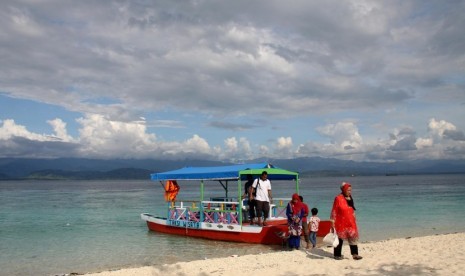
column 313, row 225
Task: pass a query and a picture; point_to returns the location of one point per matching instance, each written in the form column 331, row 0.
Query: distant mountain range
column 79, row 168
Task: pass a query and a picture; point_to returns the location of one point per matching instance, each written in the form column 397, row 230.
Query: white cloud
column 370, row 16
column 236, row 150
column 245, row 146
column 24, row 24
column 11, row 129
column 129, row 68
column 103, row 138
column 60, row 130
column 263, row 151
column 100, row 137
column 438, row 128
column 343, row 135
column 197, row 144
column 210, row 62
column 284, row 143
column 423, row 143
column 17, row 141
column 402, row 143
column 231, row 144
column 283, row 147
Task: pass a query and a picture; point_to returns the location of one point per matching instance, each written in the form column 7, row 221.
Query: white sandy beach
column 431, row 255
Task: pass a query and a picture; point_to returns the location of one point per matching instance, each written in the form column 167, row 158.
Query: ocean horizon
column 59, row 227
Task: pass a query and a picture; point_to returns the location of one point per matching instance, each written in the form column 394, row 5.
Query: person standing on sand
column 304, row 222
column 344, row 220
column 294, row 212
column 263, row 197
column 314, row 225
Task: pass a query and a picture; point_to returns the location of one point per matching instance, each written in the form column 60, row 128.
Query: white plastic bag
column 331, row 238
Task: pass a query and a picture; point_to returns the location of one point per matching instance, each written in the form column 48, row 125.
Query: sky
column 236, row 80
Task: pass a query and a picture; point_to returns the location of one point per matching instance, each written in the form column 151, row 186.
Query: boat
column 223, row 218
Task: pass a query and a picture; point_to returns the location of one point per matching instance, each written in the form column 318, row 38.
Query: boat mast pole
column 239, row 198
column 201, row 190
column 226, row 197
column 201, row 199
column 297, row 184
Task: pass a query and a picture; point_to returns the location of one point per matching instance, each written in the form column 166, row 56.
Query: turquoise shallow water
column 55, row 227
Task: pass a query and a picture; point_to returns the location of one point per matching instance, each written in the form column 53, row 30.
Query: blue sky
column 356, row 80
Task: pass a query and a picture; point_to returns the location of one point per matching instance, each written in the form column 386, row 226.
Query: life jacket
column 171, row 190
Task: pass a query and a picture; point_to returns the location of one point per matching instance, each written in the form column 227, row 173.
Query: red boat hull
column 269, row 234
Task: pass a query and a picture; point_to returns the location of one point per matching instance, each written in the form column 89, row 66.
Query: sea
column 62, row 227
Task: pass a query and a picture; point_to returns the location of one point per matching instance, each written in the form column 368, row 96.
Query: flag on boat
column 171, row 190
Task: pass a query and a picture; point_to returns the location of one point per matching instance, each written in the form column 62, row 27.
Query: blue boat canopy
column 232, row 172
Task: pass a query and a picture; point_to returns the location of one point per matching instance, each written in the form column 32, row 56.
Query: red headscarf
column 295, row 197
column 297, row 205
column 345, row 186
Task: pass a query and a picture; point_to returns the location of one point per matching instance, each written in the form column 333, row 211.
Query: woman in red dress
column 343, row 219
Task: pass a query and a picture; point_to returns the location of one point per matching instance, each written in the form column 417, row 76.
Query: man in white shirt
column 263, row 197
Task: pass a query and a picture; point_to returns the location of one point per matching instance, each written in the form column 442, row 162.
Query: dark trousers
column 263, row 208
column 252, row 204
column 294, row 242
column 338, row 249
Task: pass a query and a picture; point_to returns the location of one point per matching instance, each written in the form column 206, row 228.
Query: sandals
column 355, row 257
